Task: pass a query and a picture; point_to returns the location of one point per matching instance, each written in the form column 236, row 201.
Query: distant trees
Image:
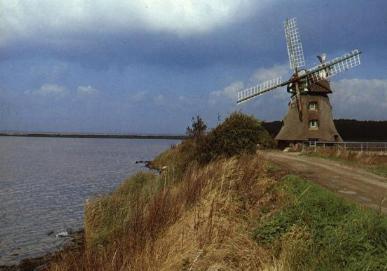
column 349, row 129
column 355, row 130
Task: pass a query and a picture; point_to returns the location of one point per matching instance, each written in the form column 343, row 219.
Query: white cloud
column 185, row 100
column 159, row 99
column 259, row 76
column 264, row 74
column 86, row 90
column 229, row 93
column 49, row 90
column 139, row 96
column 27, row 18
column 360, row 98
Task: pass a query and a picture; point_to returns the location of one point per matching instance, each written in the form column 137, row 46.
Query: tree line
column 349, row 129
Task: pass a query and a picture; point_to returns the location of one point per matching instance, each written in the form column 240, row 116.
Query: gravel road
column 353, row 183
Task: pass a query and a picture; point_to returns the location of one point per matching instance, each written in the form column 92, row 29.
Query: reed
column 130, row 229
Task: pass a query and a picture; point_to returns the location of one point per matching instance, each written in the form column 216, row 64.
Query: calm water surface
column 44, row 183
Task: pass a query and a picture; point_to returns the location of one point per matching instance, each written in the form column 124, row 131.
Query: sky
column 149, row 66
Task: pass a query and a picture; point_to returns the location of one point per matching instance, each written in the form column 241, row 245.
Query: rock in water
column 62, row 234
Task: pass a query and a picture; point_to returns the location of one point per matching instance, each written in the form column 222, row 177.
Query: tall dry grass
column 214, row 232
column 158, row 222
column 231, row 214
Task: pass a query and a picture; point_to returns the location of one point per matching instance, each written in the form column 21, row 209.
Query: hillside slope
column 238, row 213
column 216, row 204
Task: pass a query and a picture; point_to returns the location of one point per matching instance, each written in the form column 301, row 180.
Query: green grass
column 335, row 158
column 316, row 230
column 109, row 216
column 272, row 168
column 380, row 170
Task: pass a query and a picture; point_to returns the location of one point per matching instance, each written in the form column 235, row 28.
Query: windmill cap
column 322, row 57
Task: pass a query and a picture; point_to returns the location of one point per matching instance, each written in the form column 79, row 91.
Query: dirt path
column 356, row 184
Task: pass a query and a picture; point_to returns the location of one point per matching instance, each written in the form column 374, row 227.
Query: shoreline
column 75, row 243
column 75, row 135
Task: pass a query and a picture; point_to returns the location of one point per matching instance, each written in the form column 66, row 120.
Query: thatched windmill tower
column 310, row 113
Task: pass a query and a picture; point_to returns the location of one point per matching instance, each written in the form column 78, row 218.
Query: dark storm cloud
column 332, row 26
column 152, row 71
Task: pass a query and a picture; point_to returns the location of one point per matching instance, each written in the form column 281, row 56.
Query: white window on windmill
column 313, row 124
column 313, row 106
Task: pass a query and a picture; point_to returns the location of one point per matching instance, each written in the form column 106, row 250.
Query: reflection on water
column 44, row 183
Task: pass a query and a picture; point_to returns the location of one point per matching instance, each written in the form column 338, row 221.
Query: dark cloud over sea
column 148, row 66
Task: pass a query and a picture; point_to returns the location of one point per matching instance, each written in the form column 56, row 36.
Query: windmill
column 309, row 115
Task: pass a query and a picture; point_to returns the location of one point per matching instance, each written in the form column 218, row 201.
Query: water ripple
column 44, row 183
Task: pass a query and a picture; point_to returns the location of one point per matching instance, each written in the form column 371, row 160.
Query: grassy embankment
column 234, row 212
column 374, row 163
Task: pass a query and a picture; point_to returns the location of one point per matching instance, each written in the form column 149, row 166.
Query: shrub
column 238, row 134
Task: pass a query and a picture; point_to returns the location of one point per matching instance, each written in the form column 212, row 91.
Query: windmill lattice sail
column 294, row 45
column 266, row 86
column 335, row 66
column 309, row 116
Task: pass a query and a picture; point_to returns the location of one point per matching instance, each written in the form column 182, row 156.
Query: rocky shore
column 41, row 263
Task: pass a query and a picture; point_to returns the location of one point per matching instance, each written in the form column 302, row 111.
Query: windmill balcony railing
column 375, row 147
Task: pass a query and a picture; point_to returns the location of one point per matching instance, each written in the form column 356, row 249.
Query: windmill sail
column 309, row 115
column 335, row 66
column 266, row 86
column 293, row 42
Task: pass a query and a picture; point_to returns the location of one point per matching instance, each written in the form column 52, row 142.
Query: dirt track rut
column 353, row 183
